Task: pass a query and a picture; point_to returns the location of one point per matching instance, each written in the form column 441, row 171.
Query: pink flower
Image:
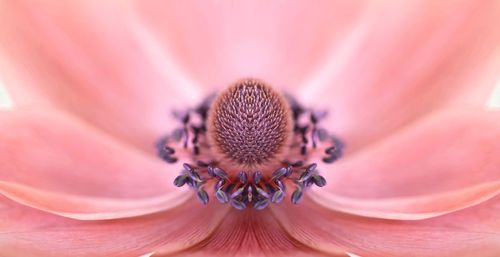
column 405, row 83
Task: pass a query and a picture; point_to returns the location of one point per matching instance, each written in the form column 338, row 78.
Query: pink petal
column 29, row 232
column 52, row 162
column 410, row 208
column 403, row 59
column 95, row 60
column 250, row 233
column 470, row 232
column 279, row 41
column 439, row 164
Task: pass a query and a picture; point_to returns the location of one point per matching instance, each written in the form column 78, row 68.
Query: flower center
column 249, row 124
column 250, row 144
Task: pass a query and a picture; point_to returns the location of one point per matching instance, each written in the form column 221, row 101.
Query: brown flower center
column 249, row 123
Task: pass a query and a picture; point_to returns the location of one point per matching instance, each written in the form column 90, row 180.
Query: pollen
column 249, row 124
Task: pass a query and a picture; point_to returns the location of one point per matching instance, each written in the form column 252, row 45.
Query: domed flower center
column 248, row 146
column 250, row 124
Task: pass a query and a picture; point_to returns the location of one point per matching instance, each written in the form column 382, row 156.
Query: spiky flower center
column 249, row 124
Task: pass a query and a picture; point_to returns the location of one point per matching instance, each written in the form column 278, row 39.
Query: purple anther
column 161, row 143
column 168, row 149
column 319, row 180
column 278, row 196
column 309, row 182
column 192, row 173
column 201, row 163
column 330, row 150
column 190, row 182
column 237, row 192
column 220, row 173
column 194, row 176
column 311, row 167
column 296, row 196
column 322, row 134
column 210, row 171
column 262, row 192
column 257, row 176
column 297, row 164
column 289, row 170
column 304, row 177
column 238, row 204
column 177, row 134
column 187, row 167
column 317, row 115
column 243, row 177
column 279, row 173
column 338, row 143
column 260, row 205
column 221, row 196
column 330, row 159
column 165, row 152
column 304, row 139
column 303, row 150
column 168, row 158
column 183, row 116
column 180, row 180
column 334, row 152
column 280, row 185
column 219, row 184
column 313, row 118
column 202, row 196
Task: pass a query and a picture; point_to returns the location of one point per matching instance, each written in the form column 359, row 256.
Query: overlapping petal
column 62, row 165
column 404, row 59
column 251, row 233
column 89, row 58
column 29, row 232
column 277, row 41
column 467, row 233
column 439, row 164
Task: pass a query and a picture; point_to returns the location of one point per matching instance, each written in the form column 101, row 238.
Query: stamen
column 239, row 146
column 243, row 177
column 278, row 196
column 297, row 195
